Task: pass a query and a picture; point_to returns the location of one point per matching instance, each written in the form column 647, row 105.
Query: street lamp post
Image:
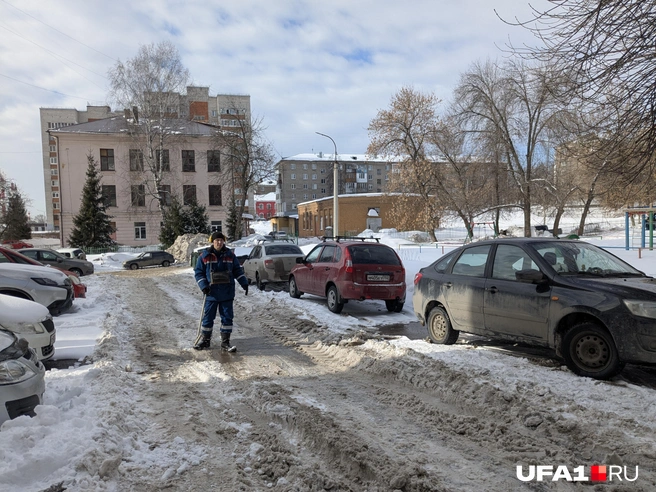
column 335, row 188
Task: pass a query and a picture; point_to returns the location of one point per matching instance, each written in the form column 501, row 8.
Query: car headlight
column 24, row 327
column 15, row 371
column 45, row 281
column 646, row 309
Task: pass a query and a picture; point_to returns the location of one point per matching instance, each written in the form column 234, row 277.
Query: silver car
column 270, row 262
column 22, row 378
column 57, row 260
column 31, row 321
column 47, row 286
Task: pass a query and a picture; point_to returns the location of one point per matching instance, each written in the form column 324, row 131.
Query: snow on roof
column 119, row 124
column 269, row 197
column 341, row 158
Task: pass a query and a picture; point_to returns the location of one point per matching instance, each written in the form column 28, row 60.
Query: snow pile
column 184, row 246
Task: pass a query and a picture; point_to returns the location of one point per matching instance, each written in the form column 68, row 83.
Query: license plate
column 378, row 278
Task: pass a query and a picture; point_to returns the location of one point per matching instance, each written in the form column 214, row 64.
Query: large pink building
column 192, row 172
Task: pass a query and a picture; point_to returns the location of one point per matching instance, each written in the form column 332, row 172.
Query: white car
column 47, row 286
column 31, row 321
column 22, row 378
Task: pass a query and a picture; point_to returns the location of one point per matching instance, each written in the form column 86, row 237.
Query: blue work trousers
column 225, row 311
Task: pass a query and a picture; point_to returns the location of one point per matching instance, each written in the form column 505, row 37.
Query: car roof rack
column 349, row 238
column 270, row 239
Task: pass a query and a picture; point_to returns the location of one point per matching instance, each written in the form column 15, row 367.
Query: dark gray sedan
column 595, row 310
column 150, row 258
column 57, row 260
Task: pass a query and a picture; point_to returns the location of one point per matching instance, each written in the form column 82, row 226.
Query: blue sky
column 308, row 66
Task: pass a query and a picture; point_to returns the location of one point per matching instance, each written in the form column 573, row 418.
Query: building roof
column 120, row 124
column 340, row 158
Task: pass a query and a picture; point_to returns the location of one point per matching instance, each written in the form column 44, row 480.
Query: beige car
column 270, row 262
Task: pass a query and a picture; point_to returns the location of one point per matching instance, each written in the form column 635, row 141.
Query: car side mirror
column 530, row 276
column 59, row 260
column 300, row 259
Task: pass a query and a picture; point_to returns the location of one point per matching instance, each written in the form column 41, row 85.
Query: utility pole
column 335, row 188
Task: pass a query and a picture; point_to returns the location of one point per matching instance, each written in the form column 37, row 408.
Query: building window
column 140, row 230
column 53, row 148
column 54, row 172
column 54, row 183
column 305, row 176
column 323, row 190
column 305, row 186
column 314, row 176
column 53, row 160
column 188, row 161
column 107, row 159
column 379, row 171
column 323, row 181
column 165, row 193
column 304, row 166
column 314, row 196
column 314, row 186
column 188, row 194
column 136, row 160
column 293, row 206
column 215, row 226
column 55, row 205
column 314, row 165
column 378, row 182
column 292, row 166
column 214, row 113
column 260, row 206
column 138, row 195
column 55, row 194
column 163, row 160
column 371, row 187
column 213, row 161
column 293, row 186
column 109, row 195
column 305, row 196
column 323, row 170
column 293, row 176
column 215, row 194
column 268, row 206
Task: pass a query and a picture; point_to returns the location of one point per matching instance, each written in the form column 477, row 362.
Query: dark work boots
column 203, row 340
column 225, row 343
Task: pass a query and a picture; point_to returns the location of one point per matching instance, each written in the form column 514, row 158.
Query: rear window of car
column 283, row 249
column 373, row 255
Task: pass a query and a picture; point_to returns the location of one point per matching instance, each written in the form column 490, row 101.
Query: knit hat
column 217, row 235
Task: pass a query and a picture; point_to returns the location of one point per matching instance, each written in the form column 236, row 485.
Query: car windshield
column 580, row 258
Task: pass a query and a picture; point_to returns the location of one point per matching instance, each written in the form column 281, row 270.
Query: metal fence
column 122, row 249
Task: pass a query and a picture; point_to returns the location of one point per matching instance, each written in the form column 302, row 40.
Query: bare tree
column 149, row 86
column 606, row 48
column 434, row 169
column 515, row 106
column 247, row 160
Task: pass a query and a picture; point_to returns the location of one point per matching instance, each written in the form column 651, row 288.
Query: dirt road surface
column 301, row 409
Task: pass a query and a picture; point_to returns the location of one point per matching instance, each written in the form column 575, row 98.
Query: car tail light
column 268, row 264
column 348, row 263
column 418, row 276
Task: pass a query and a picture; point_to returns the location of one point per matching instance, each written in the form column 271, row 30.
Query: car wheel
column 258, row 282
column 589, row 351
column 439, row 327
column 77, row 271
column 394, row 306
column 165, row 263
column 293, row 289
column 334, row 303
column 134, row 266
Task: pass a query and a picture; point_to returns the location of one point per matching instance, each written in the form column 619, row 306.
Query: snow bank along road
column 301, row 408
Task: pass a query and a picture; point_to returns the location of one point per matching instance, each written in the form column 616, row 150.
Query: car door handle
column 327, row 268
column 448, row 285
column 493, row 290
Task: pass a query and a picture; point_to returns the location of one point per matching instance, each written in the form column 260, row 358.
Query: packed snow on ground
column 69, row 423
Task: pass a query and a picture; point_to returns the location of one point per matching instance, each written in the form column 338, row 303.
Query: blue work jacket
column 225, row 262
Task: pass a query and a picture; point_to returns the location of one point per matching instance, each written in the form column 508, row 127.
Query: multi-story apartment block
column 223, row 110
column 306, row 177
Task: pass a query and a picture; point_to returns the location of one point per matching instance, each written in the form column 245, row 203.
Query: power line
column 60, row 32
column 48, row 90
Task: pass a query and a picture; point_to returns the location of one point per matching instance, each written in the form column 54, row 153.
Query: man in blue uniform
column 216, row 270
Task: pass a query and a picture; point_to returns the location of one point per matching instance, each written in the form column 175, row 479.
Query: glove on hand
column 206, row 291
column 246, row 290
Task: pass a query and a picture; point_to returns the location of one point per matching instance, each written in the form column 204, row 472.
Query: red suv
column 346, row 269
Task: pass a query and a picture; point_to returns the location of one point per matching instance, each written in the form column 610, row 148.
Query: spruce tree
column 173, row 223
column 91, row 226
column 15, row 219
column 232, row 223
column 197, row 219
